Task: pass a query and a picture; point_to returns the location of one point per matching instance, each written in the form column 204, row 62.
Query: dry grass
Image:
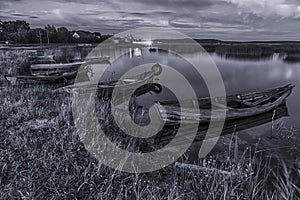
column 13, row 62
column 42, row 157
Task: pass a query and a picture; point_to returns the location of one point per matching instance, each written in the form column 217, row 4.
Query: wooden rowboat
column 125, row 87
column 92, row 60
column 243, row 112
column 43, row 59
column 14, row 80
column 230, row 126
column 238, row 106
column 55, row 68
column 125, row 84
column 96, row 60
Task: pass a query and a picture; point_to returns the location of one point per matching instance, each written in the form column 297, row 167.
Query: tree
column 32, row 36
column 98, row 37
column 51, row 32
column 20, row 32
column 15, row 26
column 63, row 34
column 14, row 31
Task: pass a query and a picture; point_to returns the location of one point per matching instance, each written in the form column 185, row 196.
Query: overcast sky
column 219, row 19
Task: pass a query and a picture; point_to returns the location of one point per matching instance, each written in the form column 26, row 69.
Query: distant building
column 127, row 39
column 76, row 35
column 116, row 40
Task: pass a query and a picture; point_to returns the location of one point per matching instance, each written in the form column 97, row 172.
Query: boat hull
column 238, row 106
column 230, row 126
column 96, row 60
column 117, row 91
column 41, row 79
column 56, row 66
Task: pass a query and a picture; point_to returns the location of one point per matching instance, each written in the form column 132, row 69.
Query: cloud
column 24, row 15
column 13, row 14
column 183, row 24
column 6, row 3
column 267, row 8
column 223, row 19
column 199, row 4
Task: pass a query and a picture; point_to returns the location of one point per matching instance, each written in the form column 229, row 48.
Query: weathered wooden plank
column 230, row 125
column 173, row 114
column 56, row 66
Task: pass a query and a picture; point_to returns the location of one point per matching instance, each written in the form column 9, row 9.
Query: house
column 116, row 40
column 76, row 35
column 127, row 39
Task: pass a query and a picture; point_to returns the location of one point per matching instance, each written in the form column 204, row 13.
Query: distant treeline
column 289, row 51
column 19, row 32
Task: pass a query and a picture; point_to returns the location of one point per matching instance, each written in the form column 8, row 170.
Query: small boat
column 56, row 66
column 92, row 60
column 230, row 126
column 126, row 86
column 15, row 80
column 137, row 52
column 238, row 106
column 31, row 52
column 97, row 59
column 152, row 49
column 43, row 59
column 84, row 45
column 54, row 69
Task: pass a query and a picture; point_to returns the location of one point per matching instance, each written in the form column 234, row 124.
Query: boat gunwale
column 200, row 118
column 234, row 97
column 86, row 86
column 53, row 66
